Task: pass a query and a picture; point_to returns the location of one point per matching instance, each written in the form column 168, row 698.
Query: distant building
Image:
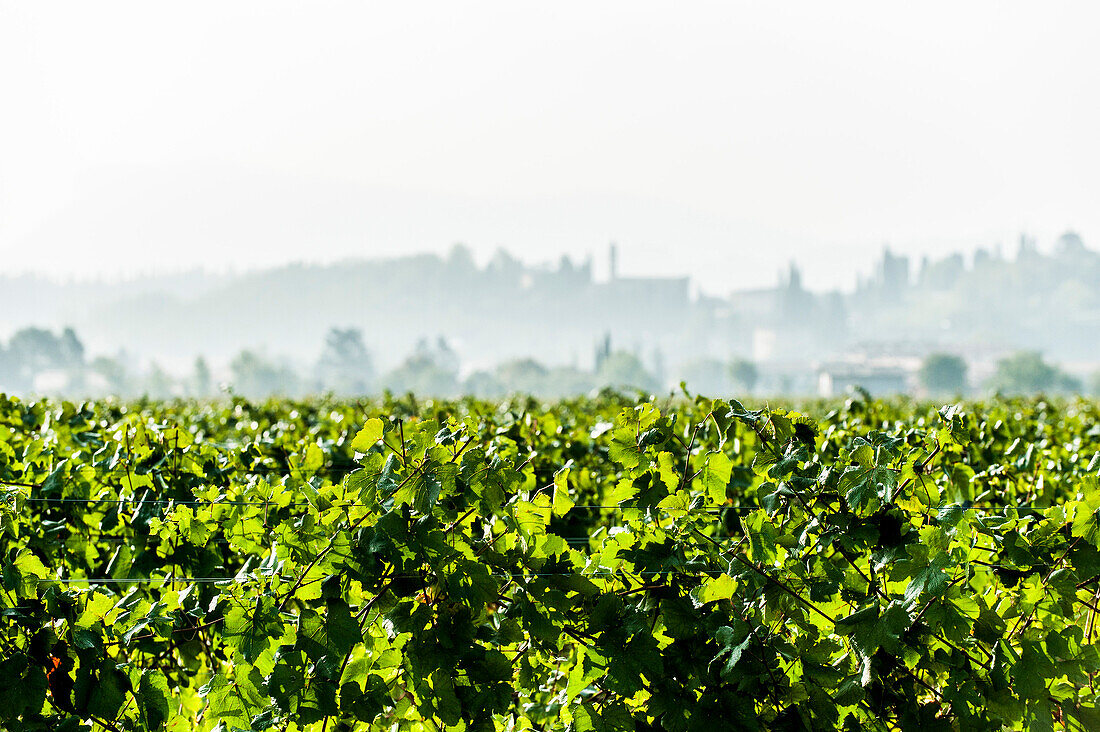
column 879, row 379
column 894, row 275
column 641, row 307
column 942, row 274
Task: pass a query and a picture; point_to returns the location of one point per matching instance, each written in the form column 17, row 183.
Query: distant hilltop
column 559, row 314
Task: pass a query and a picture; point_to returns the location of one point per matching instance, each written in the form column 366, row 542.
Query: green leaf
column 286, row 681
column 532, row 517
column 623, row 491
column 562, row 502
column 423, row 491
column 154, row 699
column 713, row 589
column 864, row 484
column 232, row 700
column 30, row 572
column 252, row 627
column 22, row 687
column 868, row 629
column 369, row 436
column 930, row 580
column 715, row 476
column 677, row 504
column 639, row 657
column 341, row 627
column 472, row 584
column 611, row 717
column 364, row 704
column 440, row 699
column 732, row 641
column 109, row 693
column 624, row 448
column 1031, row 673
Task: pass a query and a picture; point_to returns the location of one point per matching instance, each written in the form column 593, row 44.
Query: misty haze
column 506, row 367
column 800, row 205
column 447, row 325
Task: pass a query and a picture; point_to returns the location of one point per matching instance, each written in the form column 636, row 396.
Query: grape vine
column 596, row 564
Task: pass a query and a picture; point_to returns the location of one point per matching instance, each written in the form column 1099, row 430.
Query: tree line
column 36, row 360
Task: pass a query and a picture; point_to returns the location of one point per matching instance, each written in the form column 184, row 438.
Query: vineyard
column 592, row 564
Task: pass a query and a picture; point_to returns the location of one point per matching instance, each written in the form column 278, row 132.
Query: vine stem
column 362, row 626
column 1026, row 621
column 690, row 445
column 20, row 485
column 1090, row 625
column 320, row 555
column 328, row 547
column 801, row 600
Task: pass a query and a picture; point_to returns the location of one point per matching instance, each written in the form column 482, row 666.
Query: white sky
column 713, row 139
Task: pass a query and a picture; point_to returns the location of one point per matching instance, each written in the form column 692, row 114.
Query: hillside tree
column 345, row 365
column 943, row 373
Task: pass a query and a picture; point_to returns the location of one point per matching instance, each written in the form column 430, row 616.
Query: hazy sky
column 713, row 139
